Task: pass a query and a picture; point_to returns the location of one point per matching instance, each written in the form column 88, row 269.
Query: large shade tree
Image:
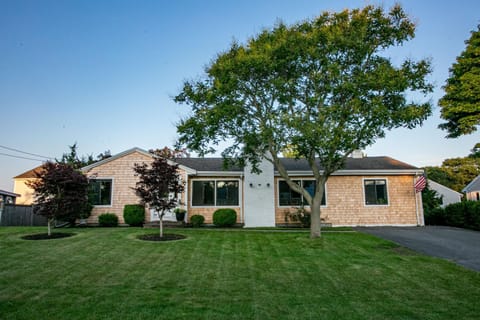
column 61, row 193
column 461, row 102
column 319, row 88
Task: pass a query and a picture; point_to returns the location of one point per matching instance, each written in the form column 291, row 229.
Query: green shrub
column 454, row 215
column 134, row 214
column 435, row 217
column 471, row 211
column 197, row 220
column 224, row 217
column 108, row 220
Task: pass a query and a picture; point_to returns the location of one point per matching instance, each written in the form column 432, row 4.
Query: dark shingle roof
column 206, row 164
column 367, row 163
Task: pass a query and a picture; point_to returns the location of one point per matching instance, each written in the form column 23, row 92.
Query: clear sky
column 103, row 73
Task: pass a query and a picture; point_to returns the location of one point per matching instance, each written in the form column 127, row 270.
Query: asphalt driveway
column 459, row 245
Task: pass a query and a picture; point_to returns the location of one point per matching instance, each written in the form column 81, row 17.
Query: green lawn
column 109, row 274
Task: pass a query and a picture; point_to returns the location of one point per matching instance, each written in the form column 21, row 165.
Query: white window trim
column 215, row 193
column 365, row 199
column 307, row 205
column 111, row 193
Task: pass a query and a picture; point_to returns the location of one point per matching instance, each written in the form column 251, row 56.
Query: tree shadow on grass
column 166, row 237
column 45, row 236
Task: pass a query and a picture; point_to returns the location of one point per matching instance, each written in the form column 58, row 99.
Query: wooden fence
column 18, row 215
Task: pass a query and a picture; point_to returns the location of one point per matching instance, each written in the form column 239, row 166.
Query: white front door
column 168, row 216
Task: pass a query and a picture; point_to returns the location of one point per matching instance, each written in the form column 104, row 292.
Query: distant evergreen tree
column 461, row 102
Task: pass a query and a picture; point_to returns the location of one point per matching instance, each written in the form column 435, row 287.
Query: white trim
column 111, row 192
column 215, row 193
column 218, row 173
column 376, row 205
column 293, row 206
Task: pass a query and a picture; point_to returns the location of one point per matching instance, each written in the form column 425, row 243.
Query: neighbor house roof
column 473, row 186
column 30, row 173
column 9, row 194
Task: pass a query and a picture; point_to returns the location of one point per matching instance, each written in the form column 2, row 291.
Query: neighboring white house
column 448, row 195
column 472, row 190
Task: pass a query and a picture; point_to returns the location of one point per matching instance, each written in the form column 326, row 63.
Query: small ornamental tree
column 461, row 102
column 321, row 88
column 158, row 185
column 61, row 193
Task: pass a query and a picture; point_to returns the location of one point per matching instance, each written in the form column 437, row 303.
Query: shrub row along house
column 369, row 191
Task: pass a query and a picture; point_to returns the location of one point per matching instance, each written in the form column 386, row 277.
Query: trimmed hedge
column 465, row 214
column 224, row 217
column 108, row 220
column 197, row 220
column 134, row 214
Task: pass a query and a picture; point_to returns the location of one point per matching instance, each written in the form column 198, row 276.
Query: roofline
column 129, row 151
column 471, row 183
column 10, row 194
column 114, row 157
column 358, row 172
column 450, row 189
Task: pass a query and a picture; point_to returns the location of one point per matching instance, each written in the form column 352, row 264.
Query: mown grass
column 110, row 274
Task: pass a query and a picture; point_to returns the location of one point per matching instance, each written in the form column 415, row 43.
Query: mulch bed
column 166, row 237
column 45, row 236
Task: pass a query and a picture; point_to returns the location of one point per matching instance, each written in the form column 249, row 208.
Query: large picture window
column 215, row 193
column 288, row 197
column 100, row 192
column 375, row 191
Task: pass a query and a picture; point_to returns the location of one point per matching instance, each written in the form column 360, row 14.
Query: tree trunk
column 49, row 223
column 315, row 221
column 160, row 224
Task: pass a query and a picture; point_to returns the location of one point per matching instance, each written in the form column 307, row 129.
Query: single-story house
column 472, row 190
column 20, row 185
column 368, row 191
column 7, row 197
column 449, row 196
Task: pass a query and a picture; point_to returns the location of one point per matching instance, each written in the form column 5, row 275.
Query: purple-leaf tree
column 158, row 185
column 61, row 193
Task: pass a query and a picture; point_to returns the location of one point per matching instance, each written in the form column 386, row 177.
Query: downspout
column 185, row 205
column 242, row 203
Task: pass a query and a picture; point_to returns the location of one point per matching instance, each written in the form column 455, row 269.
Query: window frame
column 305, row 204
column 111, row 179
column 386, row 193
column 215, row 181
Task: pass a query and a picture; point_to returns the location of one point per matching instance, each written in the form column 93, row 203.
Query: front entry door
column 168, row 216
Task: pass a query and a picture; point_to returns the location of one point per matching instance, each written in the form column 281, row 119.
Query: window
column 203, row 193
column 100, row 193
column 288, row 197
column 215, row 193
column 227, row 193
column 375, row 192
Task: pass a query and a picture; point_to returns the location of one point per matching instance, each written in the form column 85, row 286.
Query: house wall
column 123, row 180
column 26, row 193
column 345, row 204
column 207, row 211
column 473, row 196
column 449, row 196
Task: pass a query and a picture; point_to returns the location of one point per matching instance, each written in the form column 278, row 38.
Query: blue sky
column 103, row 73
